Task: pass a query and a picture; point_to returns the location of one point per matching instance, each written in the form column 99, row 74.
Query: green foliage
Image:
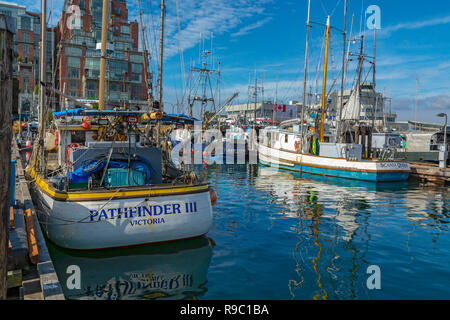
column 49, row 116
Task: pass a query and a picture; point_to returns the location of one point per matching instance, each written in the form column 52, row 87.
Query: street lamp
column 443, row 160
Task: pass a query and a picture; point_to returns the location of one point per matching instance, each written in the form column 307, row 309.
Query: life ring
column 297, row 146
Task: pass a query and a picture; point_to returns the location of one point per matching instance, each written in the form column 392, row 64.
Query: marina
column 125, row 178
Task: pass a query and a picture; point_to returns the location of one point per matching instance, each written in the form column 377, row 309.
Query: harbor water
column 279, row 235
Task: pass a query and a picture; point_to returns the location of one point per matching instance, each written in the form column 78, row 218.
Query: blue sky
column 268, row 36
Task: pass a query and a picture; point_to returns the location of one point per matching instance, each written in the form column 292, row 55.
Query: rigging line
column 153, row 43
column 180, row 49
column 319, row 64
column 337, row 4
column 323, row 7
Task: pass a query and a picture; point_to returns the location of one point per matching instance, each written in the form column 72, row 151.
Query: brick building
column 27, row 36
column 78, row 53
column 26, row 44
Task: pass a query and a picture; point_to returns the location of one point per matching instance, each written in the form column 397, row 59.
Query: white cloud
column 202, row 18
column 245, row 30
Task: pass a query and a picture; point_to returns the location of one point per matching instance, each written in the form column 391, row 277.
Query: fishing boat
column 299, row 147
column 104, row 178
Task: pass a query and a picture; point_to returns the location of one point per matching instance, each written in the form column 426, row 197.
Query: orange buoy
column 212, row 196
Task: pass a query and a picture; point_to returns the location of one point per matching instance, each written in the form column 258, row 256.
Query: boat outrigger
column 104, row 178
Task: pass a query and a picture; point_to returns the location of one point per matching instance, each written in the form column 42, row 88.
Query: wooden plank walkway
column 44, row 284
column 430, row 172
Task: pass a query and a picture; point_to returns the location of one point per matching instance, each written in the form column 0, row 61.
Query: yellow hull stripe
column 43, row 185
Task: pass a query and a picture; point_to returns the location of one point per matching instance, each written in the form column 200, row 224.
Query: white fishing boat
column 102, row 194
column 104, row 178
column 298, row 147
column 281, row 147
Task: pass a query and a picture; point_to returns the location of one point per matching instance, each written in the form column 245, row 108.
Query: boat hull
column 100, row 224
column 366, row 170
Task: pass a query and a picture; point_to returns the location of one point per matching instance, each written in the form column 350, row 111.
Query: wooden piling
column 6, row 94
column 33, row 250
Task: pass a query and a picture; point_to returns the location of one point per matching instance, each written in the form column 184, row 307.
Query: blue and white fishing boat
column 279, row 146
column 302, row 148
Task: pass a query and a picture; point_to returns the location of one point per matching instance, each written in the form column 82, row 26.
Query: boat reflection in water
column 175, row 270
column 332, row 213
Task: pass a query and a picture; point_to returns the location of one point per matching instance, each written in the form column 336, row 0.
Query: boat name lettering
column 143, row 211
column 399, row 165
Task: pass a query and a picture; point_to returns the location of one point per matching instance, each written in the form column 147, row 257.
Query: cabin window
column 78, row 136
column 286, row 138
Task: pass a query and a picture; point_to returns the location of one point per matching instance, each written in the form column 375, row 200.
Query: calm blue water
column 279, row 236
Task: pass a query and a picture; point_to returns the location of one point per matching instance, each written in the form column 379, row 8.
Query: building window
column 73, row 73
column 125, row 29
column 92, row 63
column 72, row 84
column 26, row 83
column 136, row 68
column 136, row 77
column 73, row 62
column 117, row 10
column 25, row 37
column 134, row 92
column 25, row 23
column 73, row 51
column 136, row 58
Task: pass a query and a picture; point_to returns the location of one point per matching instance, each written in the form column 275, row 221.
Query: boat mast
column 161, row 55
column 324, row 83
column 160, row 68
column 39, row 147
column 341, row 105
column 358, row 81
column 304, row 78
column 144, row 56
column 373, row 80
column 101, row 87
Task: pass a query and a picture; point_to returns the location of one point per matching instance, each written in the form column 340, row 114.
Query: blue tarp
column 88, row 168
column 70, row 112
column 178, row 118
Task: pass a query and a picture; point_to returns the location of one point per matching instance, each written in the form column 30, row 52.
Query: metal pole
column 161, row 55
column 445, row 143
column 160, row 68
column 415, row 116
column 443, row 162
column 341, row 105
column 324, row 83
column 101, row 87
column 304, row 78
column 39, row 147
column 374, row 108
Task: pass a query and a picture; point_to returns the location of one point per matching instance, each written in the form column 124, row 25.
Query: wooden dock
column 6, row 102
column 30, row 269
column 430, row 172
